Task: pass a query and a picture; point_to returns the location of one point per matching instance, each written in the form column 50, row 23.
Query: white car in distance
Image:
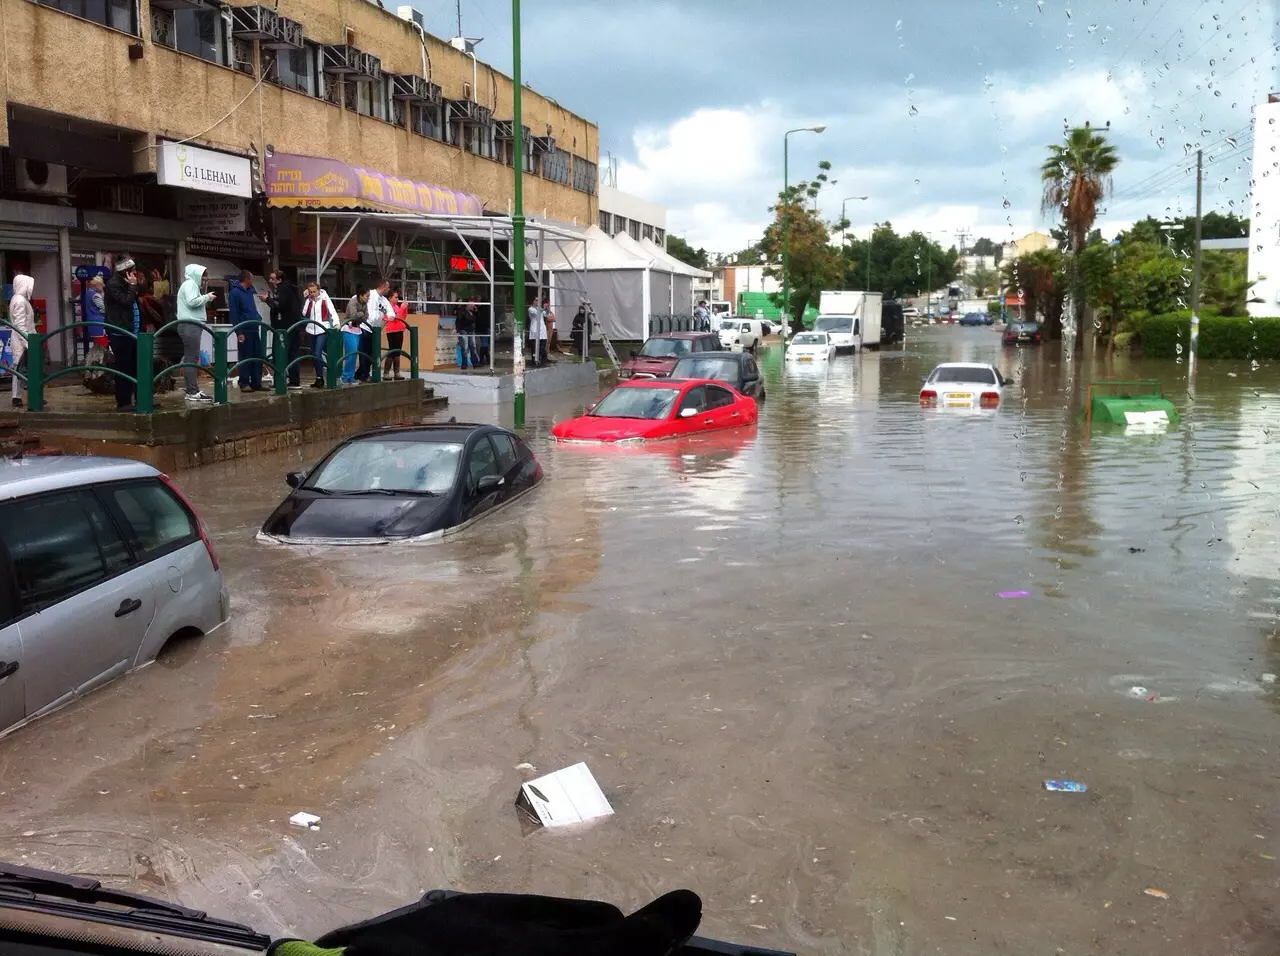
column 963, row 385
column 811, row 347
column 737, row 334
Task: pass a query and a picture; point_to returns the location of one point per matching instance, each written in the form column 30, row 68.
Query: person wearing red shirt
column 395, row 328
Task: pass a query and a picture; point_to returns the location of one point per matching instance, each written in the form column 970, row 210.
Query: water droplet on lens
column 1160, row 142
column 1007, row 203
column 913, row 111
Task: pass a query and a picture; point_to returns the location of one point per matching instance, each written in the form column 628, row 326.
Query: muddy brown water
column 782, row 654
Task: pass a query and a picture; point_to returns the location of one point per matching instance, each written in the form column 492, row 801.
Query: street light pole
column 517, row 219
column 786, row 218
column 871, row 237
column 842, row 217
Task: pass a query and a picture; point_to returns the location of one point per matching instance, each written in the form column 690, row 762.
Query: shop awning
column 315, row 182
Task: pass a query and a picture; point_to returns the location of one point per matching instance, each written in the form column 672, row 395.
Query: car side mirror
column 294, row 478
column 688, row 412
column 489, row 483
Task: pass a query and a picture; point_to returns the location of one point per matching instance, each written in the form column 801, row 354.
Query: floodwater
column 782, row 654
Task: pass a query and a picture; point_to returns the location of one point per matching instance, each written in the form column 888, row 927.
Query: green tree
column 986, row 247
column 983, row 280
column 1039, row 277
column 681, row 250
column 900, row 265
column 1076, row 176
column 813, row 264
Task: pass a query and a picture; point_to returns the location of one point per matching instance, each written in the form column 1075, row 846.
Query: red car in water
column 648, row 409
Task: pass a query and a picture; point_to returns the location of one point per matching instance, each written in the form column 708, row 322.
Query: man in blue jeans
column 243, row 308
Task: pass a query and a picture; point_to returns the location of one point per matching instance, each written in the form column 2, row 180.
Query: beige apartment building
column 177, row 130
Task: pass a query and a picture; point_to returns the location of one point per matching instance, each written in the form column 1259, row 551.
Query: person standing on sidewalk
column 321, row 316
column 22, row 315
column 192, row 300
column 121, row 299
column 395, row 328
column 465, row 326
column 377, row 312
column 240, row 303
column 356, row 324
column 286, row 312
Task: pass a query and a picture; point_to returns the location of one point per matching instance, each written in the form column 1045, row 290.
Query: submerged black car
column 406, row 482
column 738, row 369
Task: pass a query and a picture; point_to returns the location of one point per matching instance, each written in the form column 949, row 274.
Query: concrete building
column 1031, row 242
column 640, row 219
column 176, row 129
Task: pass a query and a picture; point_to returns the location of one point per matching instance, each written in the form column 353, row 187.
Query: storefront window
column 117, row 14
column 201, row 33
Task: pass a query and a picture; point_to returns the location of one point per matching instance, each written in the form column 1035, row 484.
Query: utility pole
column 1195, row 270
column 928, row 281
column 459, row 8
column 871, row 237
column 517, row 216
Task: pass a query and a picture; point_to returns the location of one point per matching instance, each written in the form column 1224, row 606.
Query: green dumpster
column 1137, row 402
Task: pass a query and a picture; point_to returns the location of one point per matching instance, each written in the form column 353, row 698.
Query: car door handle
column 7, row 668
column 128, row 606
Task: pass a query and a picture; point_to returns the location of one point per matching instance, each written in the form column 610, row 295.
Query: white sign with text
column 192, row 167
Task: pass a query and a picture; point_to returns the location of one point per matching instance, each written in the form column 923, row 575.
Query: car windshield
column 833, row 323
column 969, row 374
column 808, row 338
column 636, row 403
column 721, row 369
column 658, row 348
column 388, row 464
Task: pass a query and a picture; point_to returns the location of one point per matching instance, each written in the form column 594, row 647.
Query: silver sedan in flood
column 102, row 562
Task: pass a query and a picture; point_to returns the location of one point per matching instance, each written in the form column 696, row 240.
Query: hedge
column 1221, row 336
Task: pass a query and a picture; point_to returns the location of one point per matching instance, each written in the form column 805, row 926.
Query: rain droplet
column 910, row 77
column 899, row 26
column 913, row 111
column 1007, row 203
column 1160, row 142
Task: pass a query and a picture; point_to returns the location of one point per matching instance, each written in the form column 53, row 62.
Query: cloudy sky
column 938, row 110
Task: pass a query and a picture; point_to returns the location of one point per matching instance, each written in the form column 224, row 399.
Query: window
column 292, row 69
column 59, row 544
column 424, row 119
column 507, row 453
column 718, row 397
column 385, row 463
column 156, row 520
column 695, row 398
column 647, row 231
column 633, row 227
column 660, row 237
column 117, row 14
column 479, row 139
column 201, row 33
column 619, row 226
column 483, row 461
column 556, row 165
column 586, row 178
column 606, row 223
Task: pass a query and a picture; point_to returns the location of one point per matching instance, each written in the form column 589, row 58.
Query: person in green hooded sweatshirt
column 192, row 300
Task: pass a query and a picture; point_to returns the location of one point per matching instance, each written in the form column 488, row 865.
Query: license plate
column 958, row 398
column 804, row 358
column 1024, row 338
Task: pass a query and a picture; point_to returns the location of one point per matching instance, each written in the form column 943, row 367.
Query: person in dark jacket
column 120, row 296
column 286, row 311
column 243, row 308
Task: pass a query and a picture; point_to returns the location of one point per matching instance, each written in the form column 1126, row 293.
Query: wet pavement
column 783, row 655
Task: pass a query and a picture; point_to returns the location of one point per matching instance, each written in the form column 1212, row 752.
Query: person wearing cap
column 243, row 308
column 121, row 299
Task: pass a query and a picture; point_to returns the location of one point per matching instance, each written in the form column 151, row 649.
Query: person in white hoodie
column 192, row 300
column 22, row 315
column 378, row 311
column 321, row 316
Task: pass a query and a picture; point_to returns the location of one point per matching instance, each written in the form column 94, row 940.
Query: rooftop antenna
column 458, row 5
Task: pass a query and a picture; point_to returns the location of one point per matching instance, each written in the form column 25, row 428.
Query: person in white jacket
column 22, row 316
column 321, row 316
column 192, row 303
column 378, row 310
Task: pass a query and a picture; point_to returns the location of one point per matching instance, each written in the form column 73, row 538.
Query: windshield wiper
column 395, row 492
column 84, row 897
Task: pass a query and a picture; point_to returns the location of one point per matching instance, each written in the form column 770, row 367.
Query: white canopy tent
column 682, row 299
column 663, row 283
column 614, row 280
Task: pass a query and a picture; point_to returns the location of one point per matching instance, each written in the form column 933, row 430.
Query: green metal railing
column 38, row 371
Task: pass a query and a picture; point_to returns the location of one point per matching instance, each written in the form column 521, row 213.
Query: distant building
column 621, row 212
column 1031, row 242
column 971, row 264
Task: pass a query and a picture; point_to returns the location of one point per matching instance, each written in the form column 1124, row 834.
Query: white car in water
column 963, row 385
column 811, row 347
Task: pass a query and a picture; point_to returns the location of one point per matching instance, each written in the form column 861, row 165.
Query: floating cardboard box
column 565, row 797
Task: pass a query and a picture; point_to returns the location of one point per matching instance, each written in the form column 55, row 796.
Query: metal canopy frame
column 393, row 233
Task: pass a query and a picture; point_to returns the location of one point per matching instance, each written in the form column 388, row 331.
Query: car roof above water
column 34, row 474
column 443, row 432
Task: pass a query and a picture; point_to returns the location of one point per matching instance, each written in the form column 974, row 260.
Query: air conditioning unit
column 412, row 15
column 36, row 177
column 339, row 58
column 288, row 35
column 410, row 86
column 254, row 23
column 368, row 67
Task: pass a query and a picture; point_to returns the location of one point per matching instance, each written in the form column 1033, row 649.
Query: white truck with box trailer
column 852, row 319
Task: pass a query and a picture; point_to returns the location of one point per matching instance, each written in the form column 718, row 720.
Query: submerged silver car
column 102, row 562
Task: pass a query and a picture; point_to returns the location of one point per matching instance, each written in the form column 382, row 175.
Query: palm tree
column 1076, row 176
column 1038, row 276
